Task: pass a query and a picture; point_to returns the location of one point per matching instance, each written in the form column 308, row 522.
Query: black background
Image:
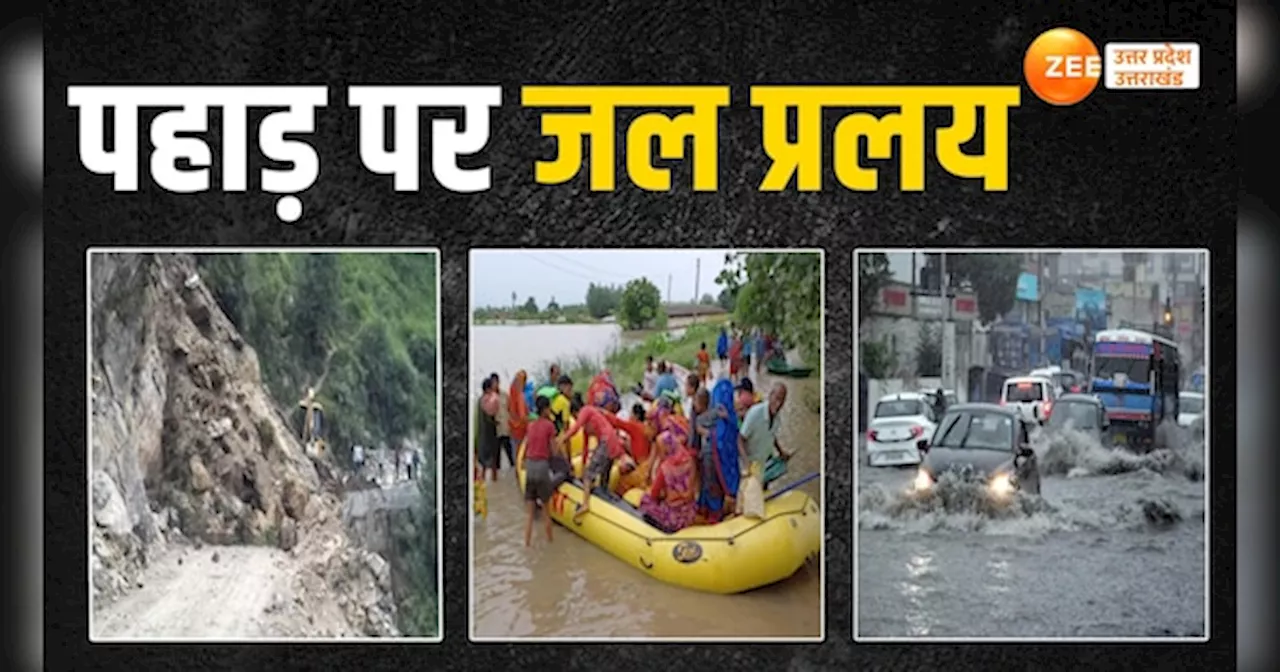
column 1120, row 169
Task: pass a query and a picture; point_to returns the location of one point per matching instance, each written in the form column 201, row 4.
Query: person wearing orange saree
column 518, row 408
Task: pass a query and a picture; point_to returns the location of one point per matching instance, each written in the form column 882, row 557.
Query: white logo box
column 1156, row 66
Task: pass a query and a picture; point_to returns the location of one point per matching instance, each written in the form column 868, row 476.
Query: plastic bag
column 750, row 502
column 481, row 497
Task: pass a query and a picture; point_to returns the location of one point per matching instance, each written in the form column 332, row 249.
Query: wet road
column 570, row 588
column 1115, row 547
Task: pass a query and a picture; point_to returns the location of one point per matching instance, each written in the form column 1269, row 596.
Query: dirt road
column 247, row 592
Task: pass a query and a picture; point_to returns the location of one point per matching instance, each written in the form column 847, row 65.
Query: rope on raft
column 793, row 486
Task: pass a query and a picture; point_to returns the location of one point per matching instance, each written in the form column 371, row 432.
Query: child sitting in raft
column 538, row 480
column 670, row 501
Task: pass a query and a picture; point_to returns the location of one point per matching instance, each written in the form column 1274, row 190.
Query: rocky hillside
column 188, row 448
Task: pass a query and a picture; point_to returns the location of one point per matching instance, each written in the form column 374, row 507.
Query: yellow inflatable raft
column 734, row 556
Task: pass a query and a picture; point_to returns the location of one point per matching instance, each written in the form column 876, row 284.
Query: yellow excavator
column 312, row 425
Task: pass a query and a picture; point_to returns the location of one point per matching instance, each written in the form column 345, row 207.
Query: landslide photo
column 1033, row 449
column 263, row 445
column 647, row 444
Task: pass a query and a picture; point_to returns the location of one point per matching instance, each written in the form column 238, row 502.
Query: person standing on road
column 760, row 353
column 357, row 458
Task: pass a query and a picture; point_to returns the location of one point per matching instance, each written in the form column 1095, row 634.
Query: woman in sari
column 602, row 391
column 670, row 502
column 720, row 472
column 665, row 421
column 518, row 408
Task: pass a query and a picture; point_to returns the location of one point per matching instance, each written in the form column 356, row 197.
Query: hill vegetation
column 361, row 329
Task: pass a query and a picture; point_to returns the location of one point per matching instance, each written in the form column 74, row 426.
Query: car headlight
column 1001, row 484
column 923, row 480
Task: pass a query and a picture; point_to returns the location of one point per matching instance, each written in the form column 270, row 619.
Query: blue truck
column 1135, row 375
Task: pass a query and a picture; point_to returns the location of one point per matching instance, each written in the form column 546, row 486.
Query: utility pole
column 1040, row 291
column 697, row 277
column 915, row 289
column 946, row 361
column 668, row 288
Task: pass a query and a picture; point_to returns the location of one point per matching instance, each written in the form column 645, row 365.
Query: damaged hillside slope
column 208, row 518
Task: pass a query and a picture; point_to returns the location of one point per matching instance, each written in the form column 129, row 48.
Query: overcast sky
column 565, row 274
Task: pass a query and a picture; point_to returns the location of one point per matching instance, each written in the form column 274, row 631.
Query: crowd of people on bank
column 699, row 449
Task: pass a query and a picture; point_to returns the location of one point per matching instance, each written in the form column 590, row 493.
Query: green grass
column 627, row 363
column 580, row 368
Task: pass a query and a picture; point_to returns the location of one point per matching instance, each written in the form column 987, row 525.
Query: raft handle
column 646, row 565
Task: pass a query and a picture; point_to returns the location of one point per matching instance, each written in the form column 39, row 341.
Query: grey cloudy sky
column 565, row 274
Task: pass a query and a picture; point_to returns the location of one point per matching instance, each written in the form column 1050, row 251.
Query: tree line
column 635, row 305
column 780, row 293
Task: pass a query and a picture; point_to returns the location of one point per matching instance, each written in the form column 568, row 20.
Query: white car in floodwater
column 1190, row 408
column 898, row 423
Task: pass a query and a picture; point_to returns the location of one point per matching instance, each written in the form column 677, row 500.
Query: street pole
column 697, row 276
column 1040, row 303
column 946, row 310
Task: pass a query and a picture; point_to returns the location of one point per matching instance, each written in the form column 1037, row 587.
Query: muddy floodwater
column 570, row 588
column 1114, row 547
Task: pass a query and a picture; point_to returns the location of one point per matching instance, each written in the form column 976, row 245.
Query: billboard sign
column 1091, row 308
column 1028, row 287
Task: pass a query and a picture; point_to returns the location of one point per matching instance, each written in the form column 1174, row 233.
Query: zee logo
column 1073, row 66
column 1062, row 66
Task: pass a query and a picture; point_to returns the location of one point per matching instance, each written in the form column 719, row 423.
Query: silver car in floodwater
column 983, row 441
column 1083, row 413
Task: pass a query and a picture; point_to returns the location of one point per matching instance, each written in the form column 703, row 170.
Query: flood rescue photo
column 647, row 443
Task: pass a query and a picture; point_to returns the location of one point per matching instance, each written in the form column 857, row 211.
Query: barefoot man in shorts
column 608, row 448
column 538, row 485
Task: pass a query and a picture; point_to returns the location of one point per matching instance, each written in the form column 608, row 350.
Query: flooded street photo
column 1032, row 445
column 579, row 585
column 1113, row 547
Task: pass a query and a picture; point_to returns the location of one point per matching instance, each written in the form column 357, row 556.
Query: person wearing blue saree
column 722, row 346
column 719, row 456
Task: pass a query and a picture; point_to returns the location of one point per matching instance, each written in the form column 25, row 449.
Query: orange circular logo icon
column 1062, row 66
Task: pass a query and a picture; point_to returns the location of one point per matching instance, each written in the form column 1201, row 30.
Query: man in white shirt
column 357, row 458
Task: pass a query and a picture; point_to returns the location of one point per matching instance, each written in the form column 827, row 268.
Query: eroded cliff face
column 187, row 446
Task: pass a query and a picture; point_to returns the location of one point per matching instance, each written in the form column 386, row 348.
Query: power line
column 589, row 267
column 548, row 264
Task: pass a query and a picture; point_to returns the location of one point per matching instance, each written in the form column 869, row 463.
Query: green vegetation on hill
column 361, row 329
